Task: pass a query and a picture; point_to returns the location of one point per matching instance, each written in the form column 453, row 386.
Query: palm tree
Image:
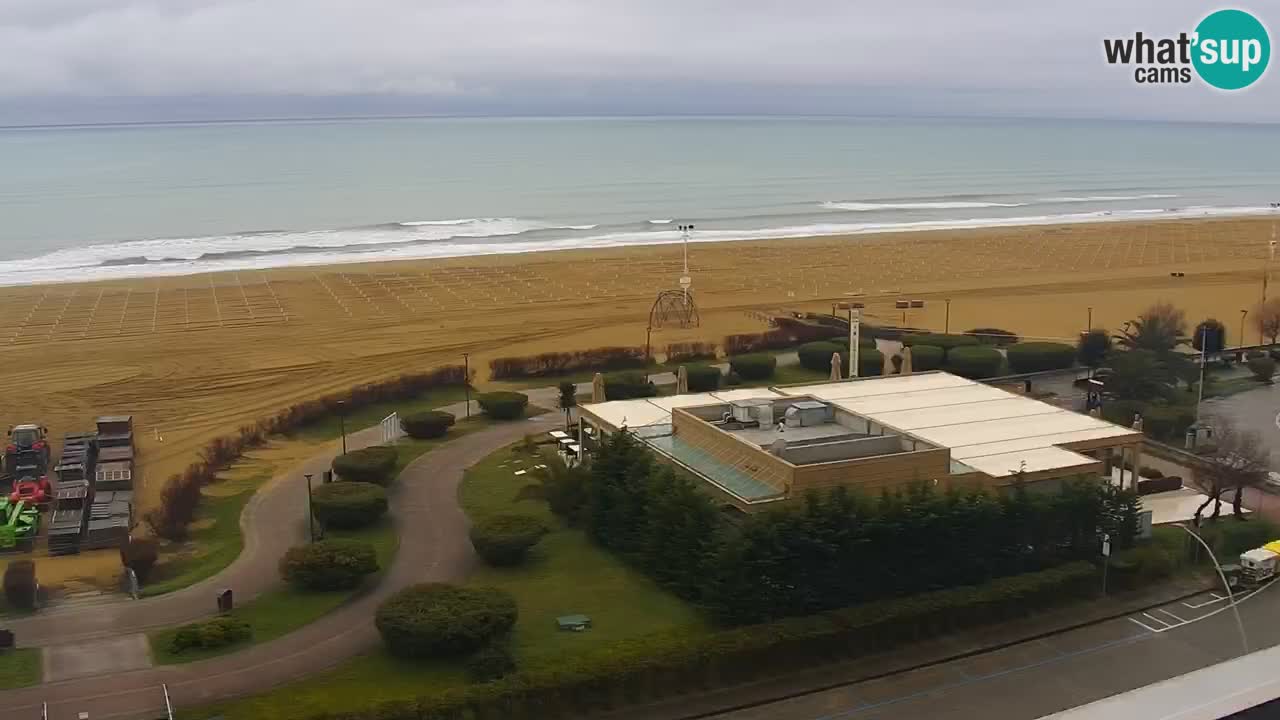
column 568, row 400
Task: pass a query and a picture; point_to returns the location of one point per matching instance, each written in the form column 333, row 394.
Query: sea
column 101, row 202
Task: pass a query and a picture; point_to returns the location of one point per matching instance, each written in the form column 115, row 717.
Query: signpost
column 1106, row 560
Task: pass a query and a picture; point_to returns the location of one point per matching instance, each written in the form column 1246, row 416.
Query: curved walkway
column 433, row 547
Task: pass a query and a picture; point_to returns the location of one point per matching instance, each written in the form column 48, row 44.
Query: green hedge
column 870, row 362
column 372, row 464
column 215, row 633
column 926, row 357
column 946, row 342
column 504, row 540
column 816, row 356
column 757, row 366
column 426, row 424
column 1162, row 422
column 703, row 378
column 1262, row 367
column 661, row 666
column 328, row 564
column 864, row 341
column 503, row 404
column 627, row 385
column 993, row 336
column 348, row 505
column 1029, row 357
column 439, row 620
column 979, row 361
column 1229, row 537
column 1139, row 566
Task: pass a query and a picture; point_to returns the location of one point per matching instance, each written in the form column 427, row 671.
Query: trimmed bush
column 1230, row 537
column 816, row 356
column 504, row 540
column 993, row 336
column 864, row 341
column 438, row 620
column 754, row 367
column 687, row 351
column 1164, row 484
column 140, row 555
column 1262, row 367
column 946, row 342
column 926, row 357
column 503, row 404
column 870, row 362
column 1135, row 567
column 974, row 362
column 20, row 584
column 703, row 378
column 426, row 424
column 348, row 505
column 372, row 464
column 214, row 633
column 1032, row 357
column 1150, row 472
column 561, row 363
column 732, row 379
column 491, row 662
column 628, row 385
column 328, row 564
column 1166, row 422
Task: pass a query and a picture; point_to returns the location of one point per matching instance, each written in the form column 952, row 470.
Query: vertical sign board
column 855, row 329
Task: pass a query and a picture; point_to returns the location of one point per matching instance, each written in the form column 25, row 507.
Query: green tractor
column 20, row 523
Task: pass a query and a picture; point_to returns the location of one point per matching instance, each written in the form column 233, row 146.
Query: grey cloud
column 86, row 60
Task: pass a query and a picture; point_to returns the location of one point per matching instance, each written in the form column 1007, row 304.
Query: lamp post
column 685, row 279
column 466, row 379
column 1204, row 348
column 946, row 325
column 1088, row 325
column 311, row 517
column 1244, row 639
column 855, row 327
column 1242, row 314
column 342, row 423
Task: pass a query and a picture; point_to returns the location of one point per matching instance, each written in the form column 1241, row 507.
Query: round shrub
column 1029, row 357
column 926, row 357
column 214, row 633
column 732, row 379
column 140, row 555
column 491, row 662
column 758, row 366
column 506, row 539
column 1166, row 422
column 979, row 361
column 426, row 424
column 503, row 404
column 816, row 356
column 703, row 378
column 348, row 505
column 946, row 342
column 439, row 620
column 372, row 464
column 20, row 586
column 870, row 362
column 627, row 385
column 328, row 564
column 1262, row 367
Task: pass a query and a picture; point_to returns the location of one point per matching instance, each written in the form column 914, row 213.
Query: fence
column 391, row 430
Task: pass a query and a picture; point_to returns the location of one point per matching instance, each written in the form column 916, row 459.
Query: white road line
column 1278, row 421
column 1175, row 617
column 1166, row 623
column 1148, row 627
column 1220, row 597
column 1206, row 603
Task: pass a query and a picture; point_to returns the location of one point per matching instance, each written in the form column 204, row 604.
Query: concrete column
column 1137, row 465
column 1122, row 459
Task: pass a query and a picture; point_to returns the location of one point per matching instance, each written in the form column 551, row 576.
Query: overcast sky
column 67, row 61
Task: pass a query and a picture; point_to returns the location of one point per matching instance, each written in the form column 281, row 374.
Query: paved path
column 433, row 547
column 272, row 522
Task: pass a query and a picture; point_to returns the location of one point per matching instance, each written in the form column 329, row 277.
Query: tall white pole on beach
column 855, row 327
column 685, row 279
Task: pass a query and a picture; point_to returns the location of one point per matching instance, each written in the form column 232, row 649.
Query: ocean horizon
column 137, row 200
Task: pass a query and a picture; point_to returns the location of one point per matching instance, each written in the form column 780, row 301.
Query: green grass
column 280, row 612
column 19, row 668
column 1230, row 386
column 566, row 574
column 330, row 426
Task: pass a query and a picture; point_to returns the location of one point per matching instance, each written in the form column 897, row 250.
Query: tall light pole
column 1088, row 325
column 1204, row 348
column 1244, row 639
column 685, row 279
column 855, row 327
column 946, row 325
column 311, row 517
column 1242, row 314
column 466, row 379
column 342, row 423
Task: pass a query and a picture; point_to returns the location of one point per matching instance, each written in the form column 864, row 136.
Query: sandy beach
column 195, row 356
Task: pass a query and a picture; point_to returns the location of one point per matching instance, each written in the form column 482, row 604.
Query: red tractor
column 27, row 452
column 32, row 492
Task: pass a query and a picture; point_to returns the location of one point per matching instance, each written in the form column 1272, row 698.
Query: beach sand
column 196, row 356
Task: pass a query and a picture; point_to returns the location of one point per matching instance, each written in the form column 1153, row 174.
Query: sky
column 87, row 61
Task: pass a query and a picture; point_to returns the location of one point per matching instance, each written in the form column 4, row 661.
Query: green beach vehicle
column 20, row 523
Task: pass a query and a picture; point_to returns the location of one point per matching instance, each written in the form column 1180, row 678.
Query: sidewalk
column 913, row 656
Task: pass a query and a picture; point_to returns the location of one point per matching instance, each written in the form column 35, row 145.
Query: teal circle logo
column 1231, row 49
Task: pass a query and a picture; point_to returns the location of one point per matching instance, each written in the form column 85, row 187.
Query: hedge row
column 1032, row 357
column 337, row 564
column 993, row 336
column 926, row 357
column 1162, row 422
column 668, row 664
column 373, row 464
column 816, row 356
column 754, row 367
column 180, row 495
column 703, row 378
column 348, row 505
column 426, row 424
column 560, row 363
column 627, row 385
column 688, row 351
column 974, row 362
column 215, row 633
column 503, row 404
column 946, row 342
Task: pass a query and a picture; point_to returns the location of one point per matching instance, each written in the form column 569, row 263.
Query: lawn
column 281, row 611
column 567, row 574
column 19, row 668
column 216, row 540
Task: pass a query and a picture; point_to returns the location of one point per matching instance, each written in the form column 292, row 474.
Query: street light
column 1242, row 314
column 311, row 518
column 1244, row 640
column 1089, row 323
column 946, row 327
column 342, row 423
column 466, row 379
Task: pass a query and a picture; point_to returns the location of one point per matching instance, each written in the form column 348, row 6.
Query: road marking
column 1278, row 421
column 1139, row 622
column 1207, row 603
column 1153, row 617
column 1175, row 617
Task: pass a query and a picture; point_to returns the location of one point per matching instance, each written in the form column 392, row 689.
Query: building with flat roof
column 757, row 447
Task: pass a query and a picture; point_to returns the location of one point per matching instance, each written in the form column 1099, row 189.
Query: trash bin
column 225, row 601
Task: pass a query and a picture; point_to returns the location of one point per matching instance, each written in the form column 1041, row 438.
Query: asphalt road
column 1257, row 410
column 1041, row 677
